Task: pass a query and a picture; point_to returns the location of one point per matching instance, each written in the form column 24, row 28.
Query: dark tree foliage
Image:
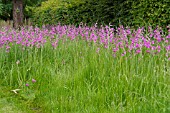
column 6, row 8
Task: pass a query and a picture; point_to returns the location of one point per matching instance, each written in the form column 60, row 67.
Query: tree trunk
column 18, row 15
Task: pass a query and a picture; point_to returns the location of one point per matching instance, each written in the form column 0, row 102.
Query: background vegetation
column 116, row 12
column 125, row 12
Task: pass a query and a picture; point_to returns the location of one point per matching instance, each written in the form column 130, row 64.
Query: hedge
column 116, row 12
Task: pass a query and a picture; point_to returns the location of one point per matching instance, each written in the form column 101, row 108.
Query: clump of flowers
column 125, row 40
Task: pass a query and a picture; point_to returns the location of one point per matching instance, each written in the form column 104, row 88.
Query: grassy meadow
column 67, row 69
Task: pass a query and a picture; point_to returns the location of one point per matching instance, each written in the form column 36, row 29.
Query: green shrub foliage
column 125, row 12
column 155, row 12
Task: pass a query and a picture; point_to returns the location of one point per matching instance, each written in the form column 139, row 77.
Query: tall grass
column 83, row 75
column 9, row 23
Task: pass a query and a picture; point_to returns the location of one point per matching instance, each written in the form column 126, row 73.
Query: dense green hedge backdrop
column 124, row 12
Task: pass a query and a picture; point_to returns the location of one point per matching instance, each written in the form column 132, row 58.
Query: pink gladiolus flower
column 148, row 51
column 138, row 51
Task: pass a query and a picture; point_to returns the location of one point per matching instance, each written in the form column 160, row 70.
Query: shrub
column 155, row 12
column 124, row 12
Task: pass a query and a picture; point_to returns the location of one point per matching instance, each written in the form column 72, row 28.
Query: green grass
column 73, row 78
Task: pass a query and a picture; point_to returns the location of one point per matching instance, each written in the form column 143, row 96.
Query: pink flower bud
column 27, row 85
column 33, row 80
